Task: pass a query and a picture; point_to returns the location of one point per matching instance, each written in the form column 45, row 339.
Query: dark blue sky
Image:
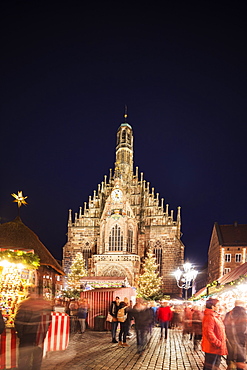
column 67, row 70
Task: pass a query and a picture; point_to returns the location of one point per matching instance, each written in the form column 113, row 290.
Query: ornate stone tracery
column 122, row 220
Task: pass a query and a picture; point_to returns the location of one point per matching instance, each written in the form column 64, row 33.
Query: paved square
column 94, row 351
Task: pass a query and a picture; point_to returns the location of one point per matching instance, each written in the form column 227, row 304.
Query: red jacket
column 213, row 333
column 164, row 314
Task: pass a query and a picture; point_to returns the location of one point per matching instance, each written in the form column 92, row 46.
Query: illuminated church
column 121, row 221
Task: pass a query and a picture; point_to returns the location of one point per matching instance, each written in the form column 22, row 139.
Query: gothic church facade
column 122, row 221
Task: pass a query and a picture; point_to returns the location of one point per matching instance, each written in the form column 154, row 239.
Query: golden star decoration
column 20, row 199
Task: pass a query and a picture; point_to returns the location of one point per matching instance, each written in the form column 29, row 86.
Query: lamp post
column 185, row 278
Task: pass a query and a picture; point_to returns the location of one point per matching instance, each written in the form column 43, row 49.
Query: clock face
column 116, row 195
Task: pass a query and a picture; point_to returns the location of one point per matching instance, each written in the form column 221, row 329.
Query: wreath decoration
column 30, row 260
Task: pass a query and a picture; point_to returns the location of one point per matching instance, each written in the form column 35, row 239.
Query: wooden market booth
column 20, row 244
column 99, row 301
column 15, row 235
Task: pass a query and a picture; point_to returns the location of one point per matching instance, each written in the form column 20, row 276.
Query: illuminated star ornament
column 20, row 199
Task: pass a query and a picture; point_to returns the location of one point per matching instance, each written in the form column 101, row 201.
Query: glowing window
column 130, row 241
column 116, row 239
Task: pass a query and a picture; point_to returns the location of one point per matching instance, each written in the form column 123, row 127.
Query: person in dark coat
column 236, row 332
column 113, row 312
column 124, row 325
column 143, row 320
column 82, row 314
column 31, row 312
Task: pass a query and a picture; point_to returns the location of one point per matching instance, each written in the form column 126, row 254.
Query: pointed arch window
column 118, row 138
column 116, row 239
column 130, row 241
column 158, row 255
column 86, row 255
column 123, row 136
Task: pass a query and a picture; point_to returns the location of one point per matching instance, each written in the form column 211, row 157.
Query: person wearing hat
column 236, row 326
column 213, row 335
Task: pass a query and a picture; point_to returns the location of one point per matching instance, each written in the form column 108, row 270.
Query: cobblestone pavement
column 94, row 351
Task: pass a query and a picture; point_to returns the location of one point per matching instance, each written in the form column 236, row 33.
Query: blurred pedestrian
column 129, row 316
column 143, row 319
column 177, row 317
column 213, row 335
column 164, row 316
column 114, row 324
column 154, row 308
column 236, row 332
column 32, row 321
column 187, row 323
column 82, row 314
column 73, row 312
column 197, row 316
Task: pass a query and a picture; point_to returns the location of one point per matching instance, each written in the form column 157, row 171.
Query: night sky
column 67, row 71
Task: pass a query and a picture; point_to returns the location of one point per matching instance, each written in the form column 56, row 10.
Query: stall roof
column 200, row 292
column 102, row 278
column 16, row 235
column 234, row 274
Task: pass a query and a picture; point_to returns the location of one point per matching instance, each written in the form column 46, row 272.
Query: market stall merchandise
column 17, row 271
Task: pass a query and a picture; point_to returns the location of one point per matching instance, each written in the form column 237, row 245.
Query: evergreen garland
column 30, row 260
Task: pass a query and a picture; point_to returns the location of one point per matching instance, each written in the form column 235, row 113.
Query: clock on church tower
column 116, row 195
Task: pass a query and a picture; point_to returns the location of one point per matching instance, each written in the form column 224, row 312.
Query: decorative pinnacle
column 125, row 113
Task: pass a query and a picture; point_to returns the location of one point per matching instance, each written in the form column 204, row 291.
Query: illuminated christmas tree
column 78, row 271
column 149, row 283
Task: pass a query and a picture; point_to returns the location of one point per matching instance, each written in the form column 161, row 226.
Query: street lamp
column 185, row 278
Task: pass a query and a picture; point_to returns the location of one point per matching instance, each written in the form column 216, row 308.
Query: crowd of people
column 217, row 332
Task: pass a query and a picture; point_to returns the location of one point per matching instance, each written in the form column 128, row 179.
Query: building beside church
column 121, row 221
column 16, row 236
column 227, row 249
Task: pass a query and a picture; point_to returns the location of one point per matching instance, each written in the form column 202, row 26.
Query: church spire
column 124, row 150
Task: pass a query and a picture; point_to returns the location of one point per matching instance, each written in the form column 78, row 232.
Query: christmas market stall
column 24, row 261
column 15, row 235
column 230, row 287
column 99, row 301
column 17, row 271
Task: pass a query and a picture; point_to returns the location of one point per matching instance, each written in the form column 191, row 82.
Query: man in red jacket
column 164, row 316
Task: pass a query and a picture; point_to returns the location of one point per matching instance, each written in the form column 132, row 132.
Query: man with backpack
column 124, row 326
